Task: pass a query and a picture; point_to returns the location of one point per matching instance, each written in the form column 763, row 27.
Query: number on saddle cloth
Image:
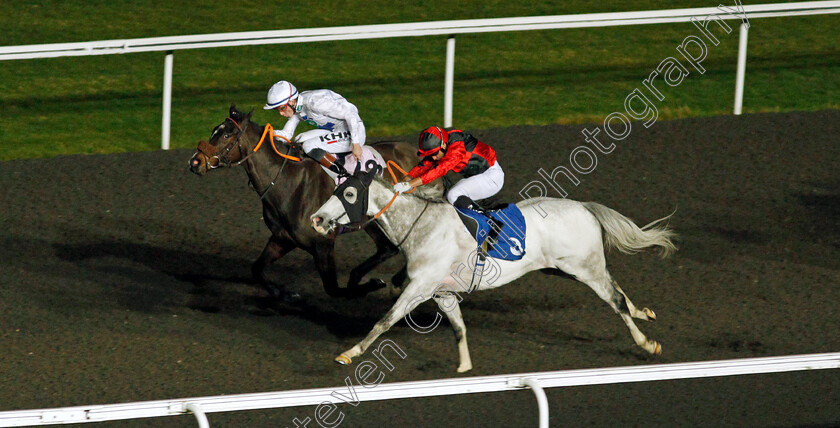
column 370, row 159
column 510, row 242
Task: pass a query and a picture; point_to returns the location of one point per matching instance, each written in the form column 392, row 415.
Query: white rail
column 469, row 385
column 358, row 32
column 449, row 28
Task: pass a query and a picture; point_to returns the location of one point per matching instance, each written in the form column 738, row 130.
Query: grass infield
column 112, row 103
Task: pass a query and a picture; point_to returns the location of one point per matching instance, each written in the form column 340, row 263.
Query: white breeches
column 480, row 186
column 336, row 141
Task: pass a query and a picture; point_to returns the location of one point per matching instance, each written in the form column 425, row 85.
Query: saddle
column 506, row 221
column 371, row 158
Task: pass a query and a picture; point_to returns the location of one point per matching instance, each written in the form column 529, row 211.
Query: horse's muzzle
column 318, row 224
column 198, row 165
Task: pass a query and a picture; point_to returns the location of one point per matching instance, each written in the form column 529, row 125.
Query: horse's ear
column 372, row 166
column 373, row 170
column 234, row 113
column 248, row 116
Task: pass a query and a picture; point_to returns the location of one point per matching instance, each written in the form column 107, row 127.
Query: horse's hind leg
column 599, row 280
column 448, row 303
column 275, row 249
column 606, row 289
column 643, row 314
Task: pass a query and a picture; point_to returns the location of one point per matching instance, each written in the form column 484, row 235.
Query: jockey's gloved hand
column 402, row 187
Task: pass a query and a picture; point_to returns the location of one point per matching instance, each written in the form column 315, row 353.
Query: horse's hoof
column 362, row 290
column 376, row 284
column 650, row 314
column 343, row 360
column 291, row 297
column 273, row 292
column 657, row 348
column 464, row 368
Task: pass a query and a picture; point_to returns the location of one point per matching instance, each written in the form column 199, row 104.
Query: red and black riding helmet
column 430, row 140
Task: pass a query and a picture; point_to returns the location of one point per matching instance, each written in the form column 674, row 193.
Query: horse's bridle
column 363, row 224
column 212, row 152
column 353, row 226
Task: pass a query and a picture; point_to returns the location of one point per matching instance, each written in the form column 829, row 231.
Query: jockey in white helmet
column 339, row 140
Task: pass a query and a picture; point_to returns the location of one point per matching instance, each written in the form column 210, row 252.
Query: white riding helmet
column 280, row 93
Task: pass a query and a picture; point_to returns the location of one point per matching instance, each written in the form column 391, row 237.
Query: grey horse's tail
column 621, row 233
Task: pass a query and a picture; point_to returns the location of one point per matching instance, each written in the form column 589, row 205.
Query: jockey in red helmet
column 458, row 151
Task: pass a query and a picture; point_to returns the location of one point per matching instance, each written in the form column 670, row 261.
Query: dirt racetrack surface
column 126, row 278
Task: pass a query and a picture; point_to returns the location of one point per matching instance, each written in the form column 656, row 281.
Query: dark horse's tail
column 621, row 233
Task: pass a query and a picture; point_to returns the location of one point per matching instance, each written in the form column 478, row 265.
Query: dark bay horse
column 290, row 192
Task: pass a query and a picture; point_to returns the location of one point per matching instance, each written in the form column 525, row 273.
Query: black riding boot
column 329, row 161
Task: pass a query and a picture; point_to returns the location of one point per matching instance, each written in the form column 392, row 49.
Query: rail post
column 199, row 414
column 542, row 400
column 449, row 84
column 742, row 68
column 167, row 100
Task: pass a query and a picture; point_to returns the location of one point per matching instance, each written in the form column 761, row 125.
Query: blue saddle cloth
column 510, row 244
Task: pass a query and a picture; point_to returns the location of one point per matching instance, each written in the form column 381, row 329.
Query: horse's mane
column 422, row 192
column 384, row 142
column 295, row 149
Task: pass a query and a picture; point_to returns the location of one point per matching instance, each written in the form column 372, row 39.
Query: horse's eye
column 350, row 196
column 227, row 136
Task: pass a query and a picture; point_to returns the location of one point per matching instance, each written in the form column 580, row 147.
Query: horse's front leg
column 275, row 249
column 448, row 303
column 384, row 251
column 413, row 295
column 324, row 254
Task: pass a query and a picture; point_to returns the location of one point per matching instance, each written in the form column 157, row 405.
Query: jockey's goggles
column 425, row 153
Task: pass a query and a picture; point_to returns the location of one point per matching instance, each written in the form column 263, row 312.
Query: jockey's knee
column 328, row 160
column 452, row 195
column 315, row 153
column 463, row 202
